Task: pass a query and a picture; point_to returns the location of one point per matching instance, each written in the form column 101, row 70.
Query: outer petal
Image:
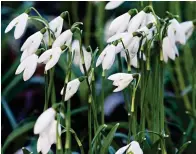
column 188, row 28
column 45, row 56
column 12, row 24
column 113, row 4
column 123, row 149
column 45, row 144
column 64, row 37
column 44, row 120
column 21, row 67
column 21, row 25
column 36, row 42
column 135, row 148
column 56, row 25
column 71, row 89
column 167, row 49
column 28, row 42
column 87, row 60
column 109, row 58
column 134, row 61
column 117, row 37
column 52, row 132
column 24, row 55
column 101, row 56
column 116, row 25
column 30, row 67
column 76, row 50
column 56, row 53
column 136, row 21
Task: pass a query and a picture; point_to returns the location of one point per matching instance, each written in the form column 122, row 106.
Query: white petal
column 44, row 120
column 24, row 55
column 101, row 56
column 11, row 24
column 71, row 89
column 36, row 42
column 116, row 26
column 113, row 4
column 136, row 21
column 188, row 28
column 30, row 67
column 56, row 53
column 134, row 61
column 168, row 49
column 63, row 38
column 122, row 150
column 87, row 60
column 76, row 50
column 21, row 67
column 45, row 144
column 21, row 25
column 117, row 37
column 56, row 25
column 135, row 148
column 45, row 56
column 52, row 132
column 109, row 58
column 39, row 144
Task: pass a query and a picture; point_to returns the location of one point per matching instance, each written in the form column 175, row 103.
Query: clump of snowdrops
column 143, row 40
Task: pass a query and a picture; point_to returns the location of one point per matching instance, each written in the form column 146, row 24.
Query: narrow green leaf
column 183, row 147
column 25, row 151
column 108, row 140
column 102, row 127
column 16, row 133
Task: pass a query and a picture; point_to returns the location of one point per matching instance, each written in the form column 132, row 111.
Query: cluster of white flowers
column 46, row 127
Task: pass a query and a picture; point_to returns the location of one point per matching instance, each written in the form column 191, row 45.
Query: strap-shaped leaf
column 108, row 140
column 16, row 133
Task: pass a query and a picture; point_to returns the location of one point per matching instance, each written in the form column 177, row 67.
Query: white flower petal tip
column 116, row 25
column 107, row 57
column 44, row 120
column 188, row 28
column 71, row 89
column 28, row 65
column 113, row 4
column 121, row 80
column 64, row 38
column 32, row 43
column 132, row 147
column 20, row 23
column 50, row 57
column 117, row 37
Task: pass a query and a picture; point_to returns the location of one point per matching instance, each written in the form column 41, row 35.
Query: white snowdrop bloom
column 136, row 21
column 20, row 23
column 175, row 32
column 28, row 66
column 188, row 28
column 119, row 24
column 169, row 49
column 50, row 57
column 44, row 120
column 87, row 60
column 32, row 43
column 107, row 57
column 133, row 148
column 149, row 18
column 64, row 38
column 71, row 89
column 24, row 55
column 134, row 46
column 126, row 39
column 56, row 26
column 48, row 137
column 113, row 4
column 121, row 80
column 77, row 57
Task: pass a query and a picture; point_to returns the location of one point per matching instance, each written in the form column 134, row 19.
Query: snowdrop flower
column 77, row 57
column 188, row 28
column 149, row 18
column 121, row 80
column 169, row 49
column 64, row 38
column 72, row 88
column 113, row 4
column 134, row 46
column 136, row 21
column 28, row 66
column 107, row 57
column 175, row 32
column 56, row 26
column 51, row 57
column 33, row 42
column 133, row 148
column 119, row 24
column 20, row 23
column 44, row 120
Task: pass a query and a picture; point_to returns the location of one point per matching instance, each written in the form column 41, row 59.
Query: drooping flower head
column 113, row 4
column 20, row 23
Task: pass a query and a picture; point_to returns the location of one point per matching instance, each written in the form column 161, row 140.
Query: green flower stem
column 45, row 89
column 102, row 98
column 68, row 126
column 89, row 123
column 59, row 149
